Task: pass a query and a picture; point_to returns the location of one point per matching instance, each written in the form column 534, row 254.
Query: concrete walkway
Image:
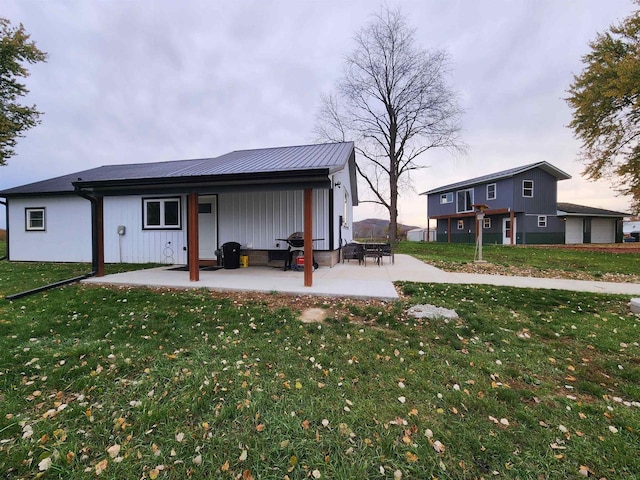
column 347, row 280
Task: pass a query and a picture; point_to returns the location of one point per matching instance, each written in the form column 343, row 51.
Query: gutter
column 94, row 255
column 4, row 202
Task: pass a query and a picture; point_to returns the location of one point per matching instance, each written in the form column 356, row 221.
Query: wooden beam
column 308, row 237
column 192, row 233
column 449, row 230
column 100, row 236
column 512, row 218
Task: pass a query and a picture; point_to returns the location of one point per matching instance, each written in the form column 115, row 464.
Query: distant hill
column 377, row 228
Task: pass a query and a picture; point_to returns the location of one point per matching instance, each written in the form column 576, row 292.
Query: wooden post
column 449, row 230
column 100, row 235
column 192, row 233
column 512, row 218
column 308, row 237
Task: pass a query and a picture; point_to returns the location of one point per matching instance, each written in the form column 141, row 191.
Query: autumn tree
column 15, row 118
column 605, row 98
column 394, row 102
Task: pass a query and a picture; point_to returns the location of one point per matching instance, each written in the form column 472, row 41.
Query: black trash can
column 231, row 255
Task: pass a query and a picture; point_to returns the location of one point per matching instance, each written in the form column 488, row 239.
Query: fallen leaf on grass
column 197, row 460
column 44, row 464
column 412, row 457
column 225, row 466
column 438, row 446
column 243, row 456
column 101, row 466
column 113, row 450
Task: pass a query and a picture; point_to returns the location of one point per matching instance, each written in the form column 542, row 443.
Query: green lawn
column 548, row 259
column 135, row 383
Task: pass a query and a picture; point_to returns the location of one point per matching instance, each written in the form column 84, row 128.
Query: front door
column 506, row 231
column 207, row 227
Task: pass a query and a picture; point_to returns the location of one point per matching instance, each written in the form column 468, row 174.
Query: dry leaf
column 412, row 457
column 225, row 466
column 101, row 466
column 260, row 427
column 438, row 446
column 316, row 474
column 197, row 460
column 153, row 473
column 113, row 450
column 44, row 464
column 243, row 456
column 179, row 437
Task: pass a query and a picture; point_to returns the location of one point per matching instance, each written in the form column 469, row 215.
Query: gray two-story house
column 520, row 207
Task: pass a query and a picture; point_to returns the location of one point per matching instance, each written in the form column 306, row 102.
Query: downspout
column 94, row 255
column 6, row 212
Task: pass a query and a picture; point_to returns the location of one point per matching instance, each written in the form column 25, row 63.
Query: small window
column 465, row 201
column 204, row 208
column 527, row 188
column 446, row 197
column 460, row 224
column 542, row 221
column 487, row 223
column 161, row 214
column 491, row 191
column 34, row 219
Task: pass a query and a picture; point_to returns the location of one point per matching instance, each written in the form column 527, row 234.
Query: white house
column 164, row 212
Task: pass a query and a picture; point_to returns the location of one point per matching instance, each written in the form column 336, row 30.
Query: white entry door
column 207, row 227
column 506, row 231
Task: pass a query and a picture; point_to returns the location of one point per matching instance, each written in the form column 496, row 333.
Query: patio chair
column 373, row 251
column 388, row 251
column 353, row 251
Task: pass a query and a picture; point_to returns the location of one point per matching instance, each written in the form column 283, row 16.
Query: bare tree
column 394, row 102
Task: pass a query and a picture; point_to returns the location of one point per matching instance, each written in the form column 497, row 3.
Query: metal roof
column 329, row 157
column 547, row 167
column 571, row 209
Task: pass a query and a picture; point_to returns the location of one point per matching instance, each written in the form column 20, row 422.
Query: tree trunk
column 393, row 207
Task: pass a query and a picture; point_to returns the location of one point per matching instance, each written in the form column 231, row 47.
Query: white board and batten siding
column 67, row 234
column 257, row 219
column 138, row 245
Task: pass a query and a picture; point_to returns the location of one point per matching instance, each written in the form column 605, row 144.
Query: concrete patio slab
column 346, row 280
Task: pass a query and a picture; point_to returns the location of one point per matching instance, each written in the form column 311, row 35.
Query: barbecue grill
column 295, row 259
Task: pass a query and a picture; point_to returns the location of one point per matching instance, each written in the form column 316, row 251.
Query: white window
column 465, row 201
column 161, row 213
column 542, row 221
column 491, row 191
column 446, row 197
column 487, row 223
column 34, row 219
column 460, row 224
column 527, row 188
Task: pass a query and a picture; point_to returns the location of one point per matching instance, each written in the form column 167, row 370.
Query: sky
column 155, row 80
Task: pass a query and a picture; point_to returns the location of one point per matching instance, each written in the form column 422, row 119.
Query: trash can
column 231, row 255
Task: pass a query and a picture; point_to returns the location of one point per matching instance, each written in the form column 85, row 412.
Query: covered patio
column 347, row 279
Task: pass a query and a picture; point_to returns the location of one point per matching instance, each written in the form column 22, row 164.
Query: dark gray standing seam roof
column 329, row 157
column 547, row 167
column 571, row 209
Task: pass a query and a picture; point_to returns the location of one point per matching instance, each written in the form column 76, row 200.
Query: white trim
column 542, row 221
column 486, row 223
column 524, row 189
column 470, row 205
column 446, row 198
column 162, row 214
column 495, row 190
column 29, row 221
